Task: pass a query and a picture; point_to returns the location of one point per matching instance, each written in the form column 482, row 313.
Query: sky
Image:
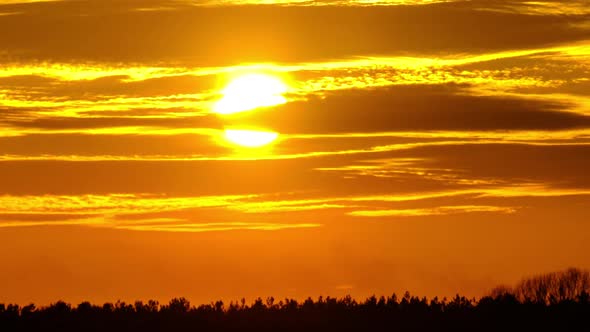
column 226, row 149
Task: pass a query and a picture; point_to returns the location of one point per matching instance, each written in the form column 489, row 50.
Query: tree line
column 558, row 301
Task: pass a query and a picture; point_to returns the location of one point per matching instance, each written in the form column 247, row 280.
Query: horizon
column 568, row 287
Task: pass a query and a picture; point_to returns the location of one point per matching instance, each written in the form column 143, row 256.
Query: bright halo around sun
column 250, row 91
column 250, row 138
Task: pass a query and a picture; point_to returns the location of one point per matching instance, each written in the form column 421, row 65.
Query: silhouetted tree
column 178, row 305
column 554, row 287
column 552, row 302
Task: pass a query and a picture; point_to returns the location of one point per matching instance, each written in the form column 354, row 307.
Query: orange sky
column 431, row 146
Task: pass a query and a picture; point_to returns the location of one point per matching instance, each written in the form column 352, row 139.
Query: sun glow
column 250, row 138
column 251, row 91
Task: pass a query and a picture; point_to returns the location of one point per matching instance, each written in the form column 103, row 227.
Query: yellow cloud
column 109, row 204
column 160, row 225
column 10, row 2
column 363, row 72
column 540, row 138
column 127, row 211
column 286, row 206
column 441, row 210
column 216, row 227
column 315, row 2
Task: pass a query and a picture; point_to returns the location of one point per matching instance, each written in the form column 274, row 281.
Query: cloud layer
column 441, row 146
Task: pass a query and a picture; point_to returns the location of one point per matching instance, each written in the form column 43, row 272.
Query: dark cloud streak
column 87, row 31
column 415, row 108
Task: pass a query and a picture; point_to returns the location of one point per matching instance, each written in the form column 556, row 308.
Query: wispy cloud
column 437, row 211
column 109, row 204
column 217, row 227
column 135, row 212
column 545, row 7
column 317, row 3
column 160, row 225
column 42, row 91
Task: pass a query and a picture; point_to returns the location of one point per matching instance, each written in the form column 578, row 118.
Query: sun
column 250, row 138
column 250, row 91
